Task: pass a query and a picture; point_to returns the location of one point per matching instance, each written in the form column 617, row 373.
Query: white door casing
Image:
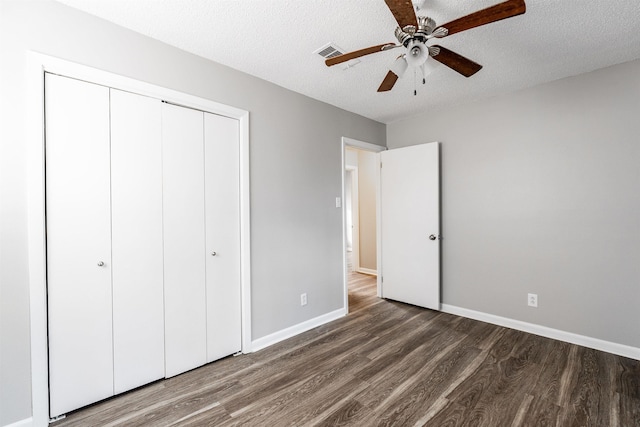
column 348, row 142
column 78, row 243
column 222, row 207
column 410, row 225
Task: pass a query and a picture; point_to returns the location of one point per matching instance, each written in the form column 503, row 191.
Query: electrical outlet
column 303, row 299
column 532, row 300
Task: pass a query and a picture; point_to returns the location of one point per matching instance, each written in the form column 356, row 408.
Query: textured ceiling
column 275, row 40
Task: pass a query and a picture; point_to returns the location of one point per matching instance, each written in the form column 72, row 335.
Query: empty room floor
column 389, row 363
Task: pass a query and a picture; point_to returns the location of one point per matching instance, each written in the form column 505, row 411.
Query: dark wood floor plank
column 513, row 381
column 628, row 413
column 206, row 417
column 541, row 412
column 346, row 415
column 405, row 371
column 339, row 373
column 282, row 374
column 321, row 404
column 629, row 380
column 548, row 384
column 590, row 400
column 411, row 404
column 389, row 363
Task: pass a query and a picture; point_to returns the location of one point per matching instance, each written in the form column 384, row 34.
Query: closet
column 143, row 240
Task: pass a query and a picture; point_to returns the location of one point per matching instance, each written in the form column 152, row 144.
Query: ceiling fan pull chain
column 415, row 80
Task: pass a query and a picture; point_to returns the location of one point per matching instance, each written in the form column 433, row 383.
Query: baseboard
column 289, row 332
column 595, row 343
column 27, row 422
column 367, row 271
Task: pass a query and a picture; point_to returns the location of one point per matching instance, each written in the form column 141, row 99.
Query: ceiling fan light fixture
column 429, row 65
column 399, row 66
column 417, row 53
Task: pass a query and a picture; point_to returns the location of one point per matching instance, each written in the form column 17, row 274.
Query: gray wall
column 295, row 172
column 541, row 194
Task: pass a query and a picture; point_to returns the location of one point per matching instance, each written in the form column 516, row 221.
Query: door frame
column 38, row 64
column 355, row 212
column 366, row 146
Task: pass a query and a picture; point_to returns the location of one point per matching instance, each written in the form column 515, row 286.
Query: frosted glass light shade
column 417, row 53
column 399, row 66
column 428, row 66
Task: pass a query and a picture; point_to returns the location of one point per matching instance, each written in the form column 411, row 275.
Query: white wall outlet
column 532, row 300
column 303, row 299
column 338, row 202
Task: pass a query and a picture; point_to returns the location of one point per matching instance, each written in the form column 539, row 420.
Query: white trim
column 245, row 233
column 38, row 64
column 294, row 330
column 367, row 271
column 22, row 423
column 36, row 234
column 349, row 142
column 367, row 146
column 380, row 273
column 544, row 331
column 355, row 217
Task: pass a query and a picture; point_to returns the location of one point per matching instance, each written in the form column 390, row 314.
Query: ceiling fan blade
column 403, row 12
column 491, row 14
column 456, row 62
column 355, row 54
column 389, row 80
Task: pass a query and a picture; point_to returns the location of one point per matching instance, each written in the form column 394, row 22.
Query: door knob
column 432, row 237
column 214, row 253
column 100, row 264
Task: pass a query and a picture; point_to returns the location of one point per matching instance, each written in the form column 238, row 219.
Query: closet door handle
column 214, row 253
column 100, row 264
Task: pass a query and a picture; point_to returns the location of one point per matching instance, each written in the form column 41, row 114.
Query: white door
column 410, row 225
column 78, row 243
column 222, row 207
column 184, row 239
column 136, row 209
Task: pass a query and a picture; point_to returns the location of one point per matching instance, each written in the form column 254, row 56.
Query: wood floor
column 392, row 364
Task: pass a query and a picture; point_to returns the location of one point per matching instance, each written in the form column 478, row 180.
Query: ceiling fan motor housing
column 405, row 35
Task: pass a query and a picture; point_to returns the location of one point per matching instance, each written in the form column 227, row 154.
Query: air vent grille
column 329, row 51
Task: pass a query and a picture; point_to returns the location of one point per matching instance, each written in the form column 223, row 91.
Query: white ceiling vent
column 329, row 51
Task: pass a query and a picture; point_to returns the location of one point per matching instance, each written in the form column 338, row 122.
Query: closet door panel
column 78, row 243
column 221, row 146
column 136, row 206
column 184, row 239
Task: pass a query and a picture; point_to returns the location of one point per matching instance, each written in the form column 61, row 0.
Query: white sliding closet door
column 78, row 243
column 184, row 239
column 222, row 189
column 136, row 206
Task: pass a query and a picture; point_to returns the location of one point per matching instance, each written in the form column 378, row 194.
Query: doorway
column 360, row 178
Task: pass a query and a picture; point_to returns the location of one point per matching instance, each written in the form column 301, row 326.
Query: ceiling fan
column 414, row 32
